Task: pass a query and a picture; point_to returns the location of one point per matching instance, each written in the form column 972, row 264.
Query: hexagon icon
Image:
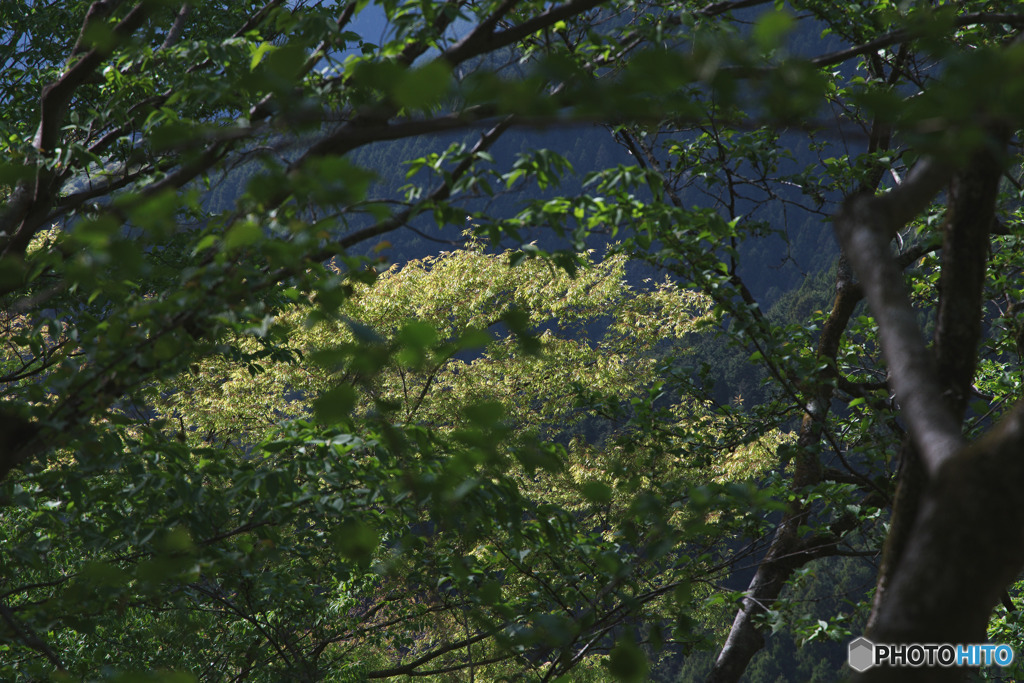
column 862, row 654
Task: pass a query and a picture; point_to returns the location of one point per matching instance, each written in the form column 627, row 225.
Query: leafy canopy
column 235, row 444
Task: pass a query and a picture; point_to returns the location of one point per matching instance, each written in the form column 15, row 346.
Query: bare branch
column 838, row 57
column 410, row 668
column 440, row 193
column 478, row 42
column 716, row 8
column 178, row 27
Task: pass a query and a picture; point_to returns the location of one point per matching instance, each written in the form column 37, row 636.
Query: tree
column 978, row 181
column 571, row 387
column 285, row 514
column 120, row 276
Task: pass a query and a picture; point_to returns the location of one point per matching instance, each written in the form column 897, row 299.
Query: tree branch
column 31, row 200
column 56, row 96
column 970, row 214
column 865, row 226
column 178, row 27
column 30, row 638
column 903, row 35
column 486, row 40
column 716, row 8
column 410, row 668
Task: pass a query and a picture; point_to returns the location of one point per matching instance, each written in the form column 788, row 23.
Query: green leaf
column 285, row 62
column 418, row 334
column 423, row 87
column 356, row 541
column 166, row 347
column 103, row 574
column 771, row 28
column 519, row 322
column 243, row 233
column 177, row 540
column 484, row 414
column 157, row 213
column 153, row 677
column 259, row 53
column 474, row 338
column 332, row 180
column 627, row 662
column 364, row 333
column 335, row 405
column 205, row 243
column 12, row 173
column 12, row 271
column 100, row 35
column 596, row 492
column 97, row 232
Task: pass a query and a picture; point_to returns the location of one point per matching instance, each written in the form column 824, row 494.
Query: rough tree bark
column 970, row 213
column 966, row 540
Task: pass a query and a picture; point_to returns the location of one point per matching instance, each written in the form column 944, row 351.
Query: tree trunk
column 966, row 542
column 788, row 552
